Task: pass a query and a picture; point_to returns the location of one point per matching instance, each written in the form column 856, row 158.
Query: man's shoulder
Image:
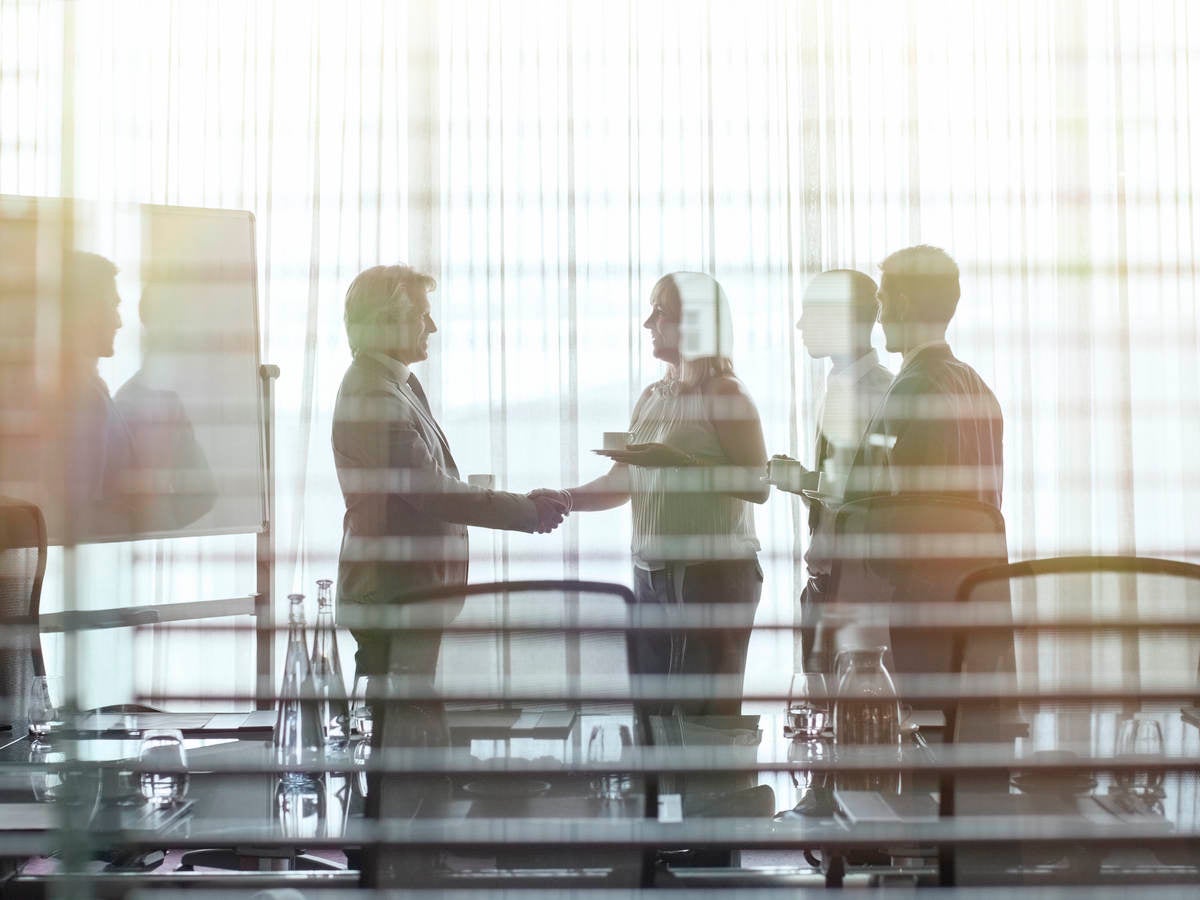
column 943, row 373
column 366, row 376
column 368, row 393
column 878, row 379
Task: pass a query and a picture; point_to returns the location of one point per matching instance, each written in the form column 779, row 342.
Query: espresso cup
column 617, row 440
column 785, row 472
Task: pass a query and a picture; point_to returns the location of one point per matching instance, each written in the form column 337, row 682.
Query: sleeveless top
column 678, row 513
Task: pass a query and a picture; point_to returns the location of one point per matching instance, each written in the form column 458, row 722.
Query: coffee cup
column 617, row 440
column 786, row 473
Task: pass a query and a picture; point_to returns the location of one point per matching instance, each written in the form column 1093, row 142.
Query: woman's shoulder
column 724, row 385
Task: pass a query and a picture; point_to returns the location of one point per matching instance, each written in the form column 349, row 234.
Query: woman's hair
column 705, row 325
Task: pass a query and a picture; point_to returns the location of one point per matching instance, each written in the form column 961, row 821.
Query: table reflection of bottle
column 300, row 807
column 867, row 713
column 44, row 776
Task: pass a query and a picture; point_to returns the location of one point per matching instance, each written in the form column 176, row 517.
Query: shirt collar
column 854, row 372
column 914, row 351
column 398, row 370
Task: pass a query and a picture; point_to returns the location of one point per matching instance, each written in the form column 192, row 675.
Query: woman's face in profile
column 663, row 322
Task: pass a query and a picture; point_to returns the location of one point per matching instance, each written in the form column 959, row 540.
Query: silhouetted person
column 174, row 483
column 838, row 315
column 87, row 468
column 939, row 429
column 694, row 466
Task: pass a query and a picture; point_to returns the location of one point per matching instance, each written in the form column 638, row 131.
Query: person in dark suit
column 939, row 429
column 407, row 510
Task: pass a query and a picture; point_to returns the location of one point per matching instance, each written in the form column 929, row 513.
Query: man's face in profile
column 827, row 328
column 890, row 318
column 93, row 321
column 413, row 327
column 827, row 318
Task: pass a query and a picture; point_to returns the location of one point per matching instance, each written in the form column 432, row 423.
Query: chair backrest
column 22, row 567
column 1122, row 623
column 913, row 548
column 519, row 645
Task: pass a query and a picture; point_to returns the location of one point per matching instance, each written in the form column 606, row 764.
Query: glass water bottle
column 328, row 684
column 867, row 712
column 297, row 740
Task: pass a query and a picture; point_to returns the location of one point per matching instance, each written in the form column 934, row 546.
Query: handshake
column 552, row 507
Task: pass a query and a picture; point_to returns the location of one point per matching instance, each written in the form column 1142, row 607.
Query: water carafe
column 866, row 712
column 297, row 741
column 333, row 709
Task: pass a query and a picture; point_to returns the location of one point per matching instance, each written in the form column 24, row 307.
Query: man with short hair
column 88, row 466
column 407, row 510
column 937, row 434
column 939, row 429
column 836, row 320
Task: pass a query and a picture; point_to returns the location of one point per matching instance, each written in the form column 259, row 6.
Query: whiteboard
column 146, row 427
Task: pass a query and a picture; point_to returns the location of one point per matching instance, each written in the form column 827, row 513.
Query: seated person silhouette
column 174, row 480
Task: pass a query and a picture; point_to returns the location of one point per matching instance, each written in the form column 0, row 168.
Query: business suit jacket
column 938, row 431
column 407, row 512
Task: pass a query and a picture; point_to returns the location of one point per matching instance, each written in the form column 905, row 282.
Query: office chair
column 1120, row 624
column 913, row 548
column 22, row 568
column 503, row 646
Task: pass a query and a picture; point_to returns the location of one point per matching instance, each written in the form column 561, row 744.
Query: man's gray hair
column 377, row 294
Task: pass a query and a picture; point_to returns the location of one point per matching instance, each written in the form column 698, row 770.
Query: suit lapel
column 430, row 423
column 431, row 426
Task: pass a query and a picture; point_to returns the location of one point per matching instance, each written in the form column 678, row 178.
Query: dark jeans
column 692, row 652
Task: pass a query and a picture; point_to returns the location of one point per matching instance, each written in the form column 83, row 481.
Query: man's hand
column 650, row 456
column 552, row 507
column 791, row 475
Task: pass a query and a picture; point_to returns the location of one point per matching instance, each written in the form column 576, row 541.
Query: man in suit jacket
column 939, row 429
column 407, row 511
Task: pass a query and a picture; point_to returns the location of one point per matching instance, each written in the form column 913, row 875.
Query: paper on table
column 28, row 817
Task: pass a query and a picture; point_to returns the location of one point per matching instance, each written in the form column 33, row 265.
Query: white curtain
column 548, row 161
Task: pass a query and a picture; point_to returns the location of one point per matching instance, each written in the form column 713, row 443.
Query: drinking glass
column 162, row 767
column 42, row 712
column 1140, row 736
column 807, row 707
column 300, row 807
column 360, row 710
column 610, row 743
column 360, row 756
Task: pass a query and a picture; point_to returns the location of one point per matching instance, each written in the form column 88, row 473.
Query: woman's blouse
column 680, row 514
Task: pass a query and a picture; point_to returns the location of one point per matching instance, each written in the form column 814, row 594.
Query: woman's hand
column 650, row 456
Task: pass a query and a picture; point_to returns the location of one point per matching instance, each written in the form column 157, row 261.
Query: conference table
column 1052, row 807
column 500, row 770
